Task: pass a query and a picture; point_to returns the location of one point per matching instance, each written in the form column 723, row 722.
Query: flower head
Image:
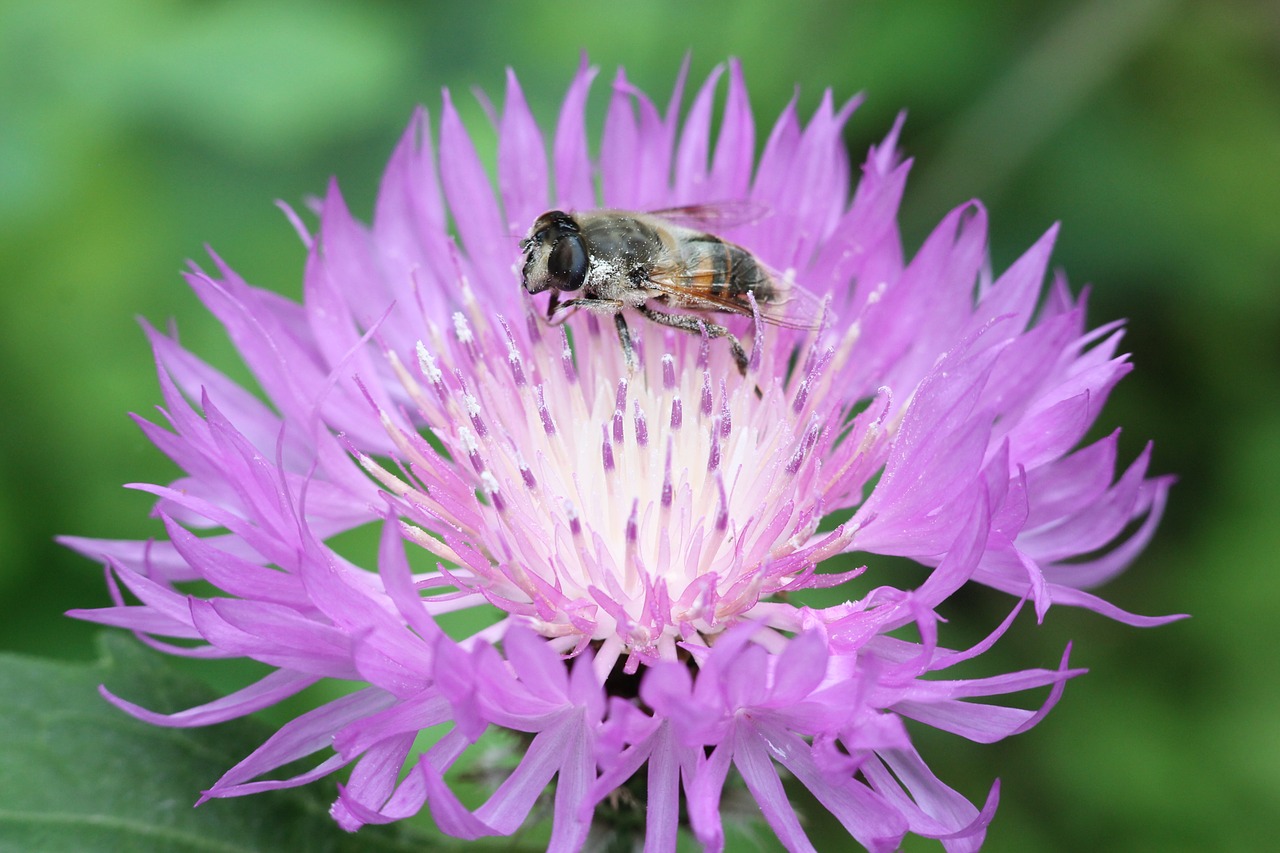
column 632, row 520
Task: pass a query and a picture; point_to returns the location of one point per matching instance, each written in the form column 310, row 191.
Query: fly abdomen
column 727, row 270
column 746, row 275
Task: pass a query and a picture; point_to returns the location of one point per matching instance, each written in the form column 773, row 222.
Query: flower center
column 646, row 502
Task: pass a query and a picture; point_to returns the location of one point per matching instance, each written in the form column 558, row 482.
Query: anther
column 490, row 484
column 473, row 411
column 726, row 420
column 606, row 449
column 806, row 444
column 633, row 522
column 642, row 426
column 713, row 460
column 722, row 514
column 462, row 328
column 532, row 323
column 427, row 364
column 668, row 372
column 548, row 425
column 471, row 448
column 566, row 357
column 667, row 489
column 812, row 372
column 434, row 375
column 802, row 396
column 525, row 474
column 513, row 355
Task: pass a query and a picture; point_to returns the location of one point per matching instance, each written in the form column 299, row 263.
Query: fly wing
column 780, row 301
column 714, row 216
column 790, row 305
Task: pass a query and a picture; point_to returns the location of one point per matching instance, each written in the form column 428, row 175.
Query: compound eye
column 567, row 263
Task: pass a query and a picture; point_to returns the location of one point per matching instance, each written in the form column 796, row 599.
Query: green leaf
column 77, row 774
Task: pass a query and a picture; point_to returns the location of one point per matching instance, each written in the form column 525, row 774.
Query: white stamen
column 427, row 364
column 462, row 328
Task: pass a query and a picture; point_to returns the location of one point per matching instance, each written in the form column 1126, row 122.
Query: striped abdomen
column 725, row 271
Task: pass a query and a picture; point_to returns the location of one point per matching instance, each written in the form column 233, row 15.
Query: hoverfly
column 613, row 260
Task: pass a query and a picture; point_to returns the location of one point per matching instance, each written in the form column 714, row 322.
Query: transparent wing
column 780, row 301
column 715, row 216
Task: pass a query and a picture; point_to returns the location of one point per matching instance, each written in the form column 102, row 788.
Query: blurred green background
column 133, row 132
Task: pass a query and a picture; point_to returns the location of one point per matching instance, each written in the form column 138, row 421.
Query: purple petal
column 522, row 161
column 573, row 168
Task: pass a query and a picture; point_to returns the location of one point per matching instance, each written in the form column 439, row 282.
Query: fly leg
column 695, row 325
column 624, row 335
column 557, row 313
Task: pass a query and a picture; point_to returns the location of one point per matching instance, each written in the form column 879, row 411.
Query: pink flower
column 631, row 527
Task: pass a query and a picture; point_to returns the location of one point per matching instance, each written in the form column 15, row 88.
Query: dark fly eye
column 567, row 263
